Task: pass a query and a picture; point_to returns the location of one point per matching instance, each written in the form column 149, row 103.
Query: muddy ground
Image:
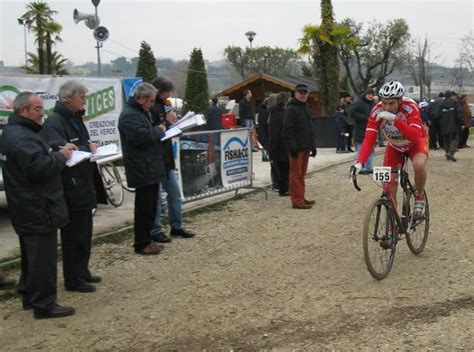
column 262, row 276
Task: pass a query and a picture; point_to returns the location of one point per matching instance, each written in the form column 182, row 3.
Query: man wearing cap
column 298, row 136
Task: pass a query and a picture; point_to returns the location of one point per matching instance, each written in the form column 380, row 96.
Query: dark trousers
column 435, row 135
column 463, row 137
column 38, row 270
column 298, row 168
column 349, row 129
column 274, row 174
column 451, row 142
column 284, row 172
column 76, row 241
column 340, row 140
column 145, row 210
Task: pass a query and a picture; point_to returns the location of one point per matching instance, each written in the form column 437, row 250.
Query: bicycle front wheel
column 112, row 183
column 417, row 233
column 379, row 239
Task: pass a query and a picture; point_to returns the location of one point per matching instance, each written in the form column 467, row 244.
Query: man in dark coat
column 80, row 186
column 246, row 115
column 144, row 164
column 214, row 117
column 450, row 122
column 162, row 114
column 360, row 112
column 35, row 202
column 276, row 145
column 346, row 100
column 262, row 129
column 341, row 128
column 298, row 135
column 433, row 122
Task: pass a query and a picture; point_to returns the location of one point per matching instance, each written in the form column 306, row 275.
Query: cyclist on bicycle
column 400, row 120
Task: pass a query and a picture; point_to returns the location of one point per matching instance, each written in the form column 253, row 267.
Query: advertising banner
column 104, row 101
column 235, row 155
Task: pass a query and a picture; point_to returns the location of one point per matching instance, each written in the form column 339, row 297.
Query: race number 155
column 382, row 173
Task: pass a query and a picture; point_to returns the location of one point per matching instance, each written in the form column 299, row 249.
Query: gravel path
column 262, row 276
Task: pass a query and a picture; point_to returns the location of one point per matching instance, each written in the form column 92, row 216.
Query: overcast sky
column 174, row 28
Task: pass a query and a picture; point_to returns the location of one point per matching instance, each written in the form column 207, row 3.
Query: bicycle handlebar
column 353, row 173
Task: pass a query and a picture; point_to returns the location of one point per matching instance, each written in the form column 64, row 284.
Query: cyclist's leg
column 395, row 160
column 419, row 156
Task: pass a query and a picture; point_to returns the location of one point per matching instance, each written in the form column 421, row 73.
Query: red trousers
column 298, row 168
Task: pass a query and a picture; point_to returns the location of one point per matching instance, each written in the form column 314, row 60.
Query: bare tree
column 467, row 50
column 370, row 56
column 421, row 64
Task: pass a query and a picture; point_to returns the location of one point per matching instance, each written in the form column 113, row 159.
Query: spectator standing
column 144, row 164
column 341, row 128
column 214, row 116
column 81, row 186
column 276, row 145
column 263, row 136
column 35, row 202
column 298, row 135
column 423, row 106
column 347, row 101
column 450, row 121
column 246, row 114
column 380, row 137
column 360, row 112
column 467, row 121
column 163, row 114
column 262, row 127
column 433, row 115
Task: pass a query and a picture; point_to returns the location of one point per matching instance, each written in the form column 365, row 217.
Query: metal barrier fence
column 214, row 162
column 208, row 163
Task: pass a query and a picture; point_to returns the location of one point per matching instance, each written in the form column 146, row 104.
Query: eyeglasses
column 37, row 108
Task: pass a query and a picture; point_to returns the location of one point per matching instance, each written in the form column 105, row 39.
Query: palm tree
column 57, row 64
column 52, row 29
column 37, row 16
column 321, row 44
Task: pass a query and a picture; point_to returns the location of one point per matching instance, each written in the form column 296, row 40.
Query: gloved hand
column 294, row 153
column 355, row 169
column 313, row 152
column 387, row 116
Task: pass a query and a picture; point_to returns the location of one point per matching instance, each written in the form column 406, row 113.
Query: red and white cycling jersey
column 406, row 131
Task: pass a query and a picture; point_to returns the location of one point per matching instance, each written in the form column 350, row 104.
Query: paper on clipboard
column 105, row 150
column 77, row 157
column 172, row 132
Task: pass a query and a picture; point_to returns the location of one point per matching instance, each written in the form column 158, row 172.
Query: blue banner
column 129, row 85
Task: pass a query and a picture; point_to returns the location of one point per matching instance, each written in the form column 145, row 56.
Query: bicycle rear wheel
column 113, row 183
column 417, row 234
column 379, row 249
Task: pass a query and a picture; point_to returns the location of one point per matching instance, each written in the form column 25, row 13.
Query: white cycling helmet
column 392, row 90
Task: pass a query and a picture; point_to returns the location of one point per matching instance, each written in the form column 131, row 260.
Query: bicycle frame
column 403, row 180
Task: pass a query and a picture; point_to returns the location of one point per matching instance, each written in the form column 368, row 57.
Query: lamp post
column 24, row 24
column 250, row 35
column 99, row 44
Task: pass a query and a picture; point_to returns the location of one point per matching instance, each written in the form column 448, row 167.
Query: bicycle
column 112, row 182
column 383, row 227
